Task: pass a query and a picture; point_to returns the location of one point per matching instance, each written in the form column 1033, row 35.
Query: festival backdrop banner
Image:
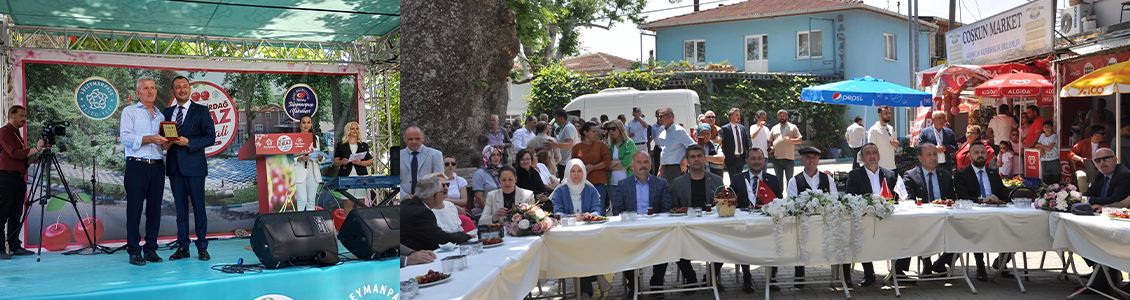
column 244, row 98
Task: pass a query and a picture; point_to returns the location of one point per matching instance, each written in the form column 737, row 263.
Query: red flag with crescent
column 886, row 191
column 764, row 193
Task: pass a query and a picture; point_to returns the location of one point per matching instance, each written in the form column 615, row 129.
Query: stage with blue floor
column 102, row 276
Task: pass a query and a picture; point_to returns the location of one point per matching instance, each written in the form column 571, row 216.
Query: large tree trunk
column 457, row 58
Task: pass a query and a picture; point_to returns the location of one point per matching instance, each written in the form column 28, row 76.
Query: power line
column 672, row 8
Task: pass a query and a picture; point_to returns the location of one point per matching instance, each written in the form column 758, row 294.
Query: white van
column 616, row 101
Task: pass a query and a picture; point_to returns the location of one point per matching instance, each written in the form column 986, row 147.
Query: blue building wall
column 862, row 44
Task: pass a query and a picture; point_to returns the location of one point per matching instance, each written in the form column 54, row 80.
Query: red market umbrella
column 1016, row 85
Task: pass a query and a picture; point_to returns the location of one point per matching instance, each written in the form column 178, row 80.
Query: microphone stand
column 94, row 247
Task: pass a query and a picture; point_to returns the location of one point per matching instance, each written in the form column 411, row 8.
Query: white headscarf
column 575, row 188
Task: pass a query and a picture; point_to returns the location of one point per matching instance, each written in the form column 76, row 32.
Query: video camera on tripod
column 52, row 130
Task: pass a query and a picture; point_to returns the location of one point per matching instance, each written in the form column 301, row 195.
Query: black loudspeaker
column 372, row 232
column 394, row 161
column 293, row 238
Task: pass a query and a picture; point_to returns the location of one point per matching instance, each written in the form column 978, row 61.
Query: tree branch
column 597, row 25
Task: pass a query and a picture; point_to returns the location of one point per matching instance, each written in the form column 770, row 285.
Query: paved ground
column 1043, row 286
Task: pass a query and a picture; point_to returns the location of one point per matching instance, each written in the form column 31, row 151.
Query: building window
column 268, row 115
column 258, row 128
column 891, row 52
column 694, row 51
column 802, row 47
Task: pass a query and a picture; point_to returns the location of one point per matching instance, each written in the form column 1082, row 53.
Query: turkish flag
column 764, row 193
column 886, row 192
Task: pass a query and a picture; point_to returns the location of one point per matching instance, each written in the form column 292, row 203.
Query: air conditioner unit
column 1072, row 19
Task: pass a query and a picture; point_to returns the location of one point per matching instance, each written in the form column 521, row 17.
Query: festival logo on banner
column 274, row 297
column 223, row 111
column 96, row 98
column 285, row 143
column 300, row 100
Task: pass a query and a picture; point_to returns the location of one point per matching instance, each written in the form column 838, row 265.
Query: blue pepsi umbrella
column 866, row 91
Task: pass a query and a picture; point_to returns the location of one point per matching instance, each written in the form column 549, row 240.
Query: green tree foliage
column 549, row 30
column 822, row 124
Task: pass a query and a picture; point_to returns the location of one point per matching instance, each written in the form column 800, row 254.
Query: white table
column 509, row 271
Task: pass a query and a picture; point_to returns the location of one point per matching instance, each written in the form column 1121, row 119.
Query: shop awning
column 1102, row 82
column 956, row 76
column 311, row 21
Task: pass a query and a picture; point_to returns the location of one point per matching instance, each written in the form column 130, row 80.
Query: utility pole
column 953, row 14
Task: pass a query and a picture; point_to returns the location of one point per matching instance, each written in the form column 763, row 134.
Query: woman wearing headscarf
column 485, row 178
column 578, row 196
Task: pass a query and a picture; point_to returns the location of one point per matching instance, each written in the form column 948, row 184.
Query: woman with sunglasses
column 622, row 149
column 456, row 189
column 595, row 156
column 485, row 179
column 972, row 135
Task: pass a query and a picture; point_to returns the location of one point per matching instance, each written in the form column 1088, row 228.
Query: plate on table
column 994, row 205
column 493, row 245
column 597, row 222
column 677, row 215
column 441, row 281
column 1120, row 219
column 649, row 216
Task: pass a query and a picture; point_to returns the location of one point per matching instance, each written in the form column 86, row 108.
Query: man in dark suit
column 187, row 166
column 927, row 182
column 1111, row 185
column 735, row 142
column 693, row 189
column 942, row 138
column 976, row 181
column 871, row 179
column 638, row 193
column 420, row 230
column 746, row 185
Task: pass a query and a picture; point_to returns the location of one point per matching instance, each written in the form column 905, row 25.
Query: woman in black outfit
column 525, row 164
column 351, row 143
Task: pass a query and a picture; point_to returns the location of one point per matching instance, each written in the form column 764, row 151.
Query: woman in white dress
column 307, row 170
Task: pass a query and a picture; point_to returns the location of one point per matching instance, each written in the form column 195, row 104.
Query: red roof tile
column 751, row 8
column 597, row 63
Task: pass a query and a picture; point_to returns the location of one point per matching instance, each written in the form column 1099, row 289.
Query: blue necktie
column 930, row 187
column 981, row 182
column 415, row 170
column 1106, row 183
column 180, row 115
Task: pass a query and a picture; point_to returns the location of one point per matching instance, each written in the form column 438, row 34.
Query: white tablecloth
column 1097, row 238
column 998, row 229
column 509, row 271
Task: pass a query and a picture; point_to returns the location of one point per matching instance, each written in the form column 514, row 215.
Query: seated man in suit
column 927, row 182
column 810, row 179
column 638, row 193
column 872, row 179
column 1111, row 187
column 420, row 230
column 694, row 189
column 755, row 187
column 979, row 182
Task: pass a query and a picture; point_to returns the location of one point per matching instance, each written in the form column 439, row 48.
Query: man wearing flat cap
column 810, row 179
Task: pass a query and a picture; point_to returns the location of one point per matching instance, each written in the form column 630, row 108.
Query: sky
column 623, row 39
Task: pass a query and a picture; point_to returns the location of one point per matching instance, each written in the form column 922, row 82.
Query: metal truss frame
column 379, row 55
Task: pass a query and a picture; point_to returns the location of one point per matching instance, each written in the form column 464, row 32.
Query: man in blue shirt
column 673, row 140
column 145, row 170
column 638, row 193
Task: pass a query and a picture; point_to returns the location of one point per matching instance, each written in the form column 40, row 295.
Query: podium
column 274, row 167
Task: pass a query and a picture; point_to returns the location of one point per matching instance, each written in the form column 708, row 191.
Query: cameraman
column 14, row 160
